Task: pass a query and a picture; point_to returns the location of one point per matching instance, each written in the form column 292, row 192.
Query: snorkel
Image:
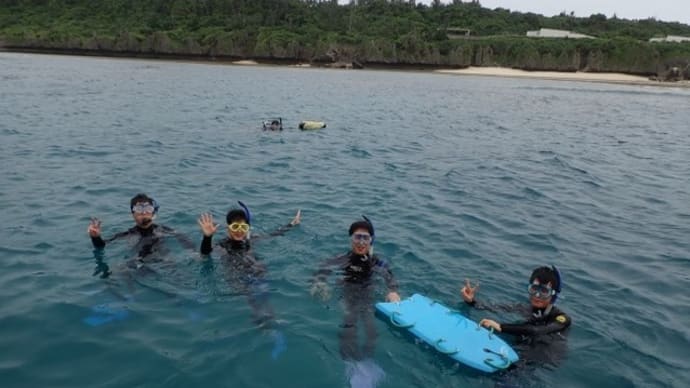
column 248, row 216
column 557, row 273
column 373, row 235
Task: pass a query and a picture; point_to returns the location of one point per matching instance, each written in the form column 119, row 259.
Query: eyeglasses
column 143, row 208
column 238, row 226
column 361, row 237
column 541, row 291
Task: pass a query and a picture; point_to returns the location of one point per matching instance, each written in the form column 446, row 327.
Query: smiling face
column 238, row 229
column 143, row 214
column 361, row 241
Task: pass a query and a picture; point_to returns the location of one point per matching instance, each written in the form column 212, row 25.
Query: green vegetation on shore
column 368, row 32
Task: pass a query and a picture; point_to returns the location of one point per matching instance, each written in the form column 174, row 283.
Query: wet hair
column 546, row 275
column 275, row 122
column 236, row 215
column 361, row 225
column 142, row 198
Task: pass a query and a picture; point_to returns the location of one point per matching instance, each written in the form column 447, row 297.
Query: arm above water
column 206, row 245
column 283, row 229
column 558, row 322
column 468, row 293
column 208, row 228
column 94, row 231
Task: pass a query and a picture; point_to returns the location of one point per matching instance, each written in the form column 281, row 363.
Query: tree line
column 392, row 32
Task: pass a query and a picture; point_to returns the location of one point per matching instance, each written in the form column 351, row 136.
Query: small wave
column 561, row 162
column 44, row 246
column 14, row 251
column 188, row 163
column 637, row 156
column 358, row 152
column 532, row 193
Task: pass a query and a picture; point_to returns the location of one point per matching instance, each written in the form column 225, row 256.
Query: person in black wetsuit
column 541, row 336
column 275, row 125
column 242, row 270
column 357, row 268
column 145, row 236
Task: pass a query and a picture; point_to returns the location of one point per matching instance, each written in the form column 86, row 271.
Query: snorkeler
column 545, row 324
column 357, row 268
column 145, row 236
column 242, row 269
column 274, row 125
column 239, row 234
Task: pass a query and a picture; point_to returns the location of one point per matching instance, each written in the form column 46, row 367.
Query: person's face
column 142, row 212
column 361, row 241
column 238, row 230
column 542, row 298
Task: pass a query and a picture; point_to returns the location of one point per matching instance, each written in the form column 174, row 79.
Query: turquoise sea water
column 464, row 177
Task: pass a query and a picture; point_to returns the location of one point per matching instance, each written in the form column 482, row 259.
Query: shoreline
column 611, row 78
column 501, row 72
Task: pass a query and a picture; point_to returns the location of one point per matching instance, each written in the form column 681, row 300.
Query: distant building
column 456, row 32
column 550, row 33
column 671, row 38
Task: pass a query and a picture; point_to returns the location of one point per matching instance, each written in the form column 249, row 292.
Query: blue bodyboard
column 450, row 333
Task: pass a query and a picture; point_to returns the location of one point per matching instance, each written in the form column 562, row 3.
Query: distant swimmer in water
column 145, row 237
column 356, row 270
column 242, row 269
column 541, row 335
column 274, row 125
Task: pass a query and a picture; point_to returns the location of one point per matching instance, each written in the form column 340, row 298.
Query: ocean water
column 464, row 177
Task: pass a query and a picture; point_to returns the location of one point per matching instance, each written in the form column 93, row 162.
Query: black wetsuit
column 540, row 337
column 146, row 241
column 358, row 293
column 148, row 244
column 237, row 256
column 245, row 274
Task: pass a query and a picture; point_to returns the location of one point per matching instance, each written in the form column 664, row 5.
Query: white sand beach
column 245, row 62
column 552, row 75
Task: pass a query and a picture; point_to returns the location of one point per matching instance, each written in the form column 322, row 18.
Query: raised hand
column 468, row 291
column 208, row 228
column 94, row 228
column 297, row 219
